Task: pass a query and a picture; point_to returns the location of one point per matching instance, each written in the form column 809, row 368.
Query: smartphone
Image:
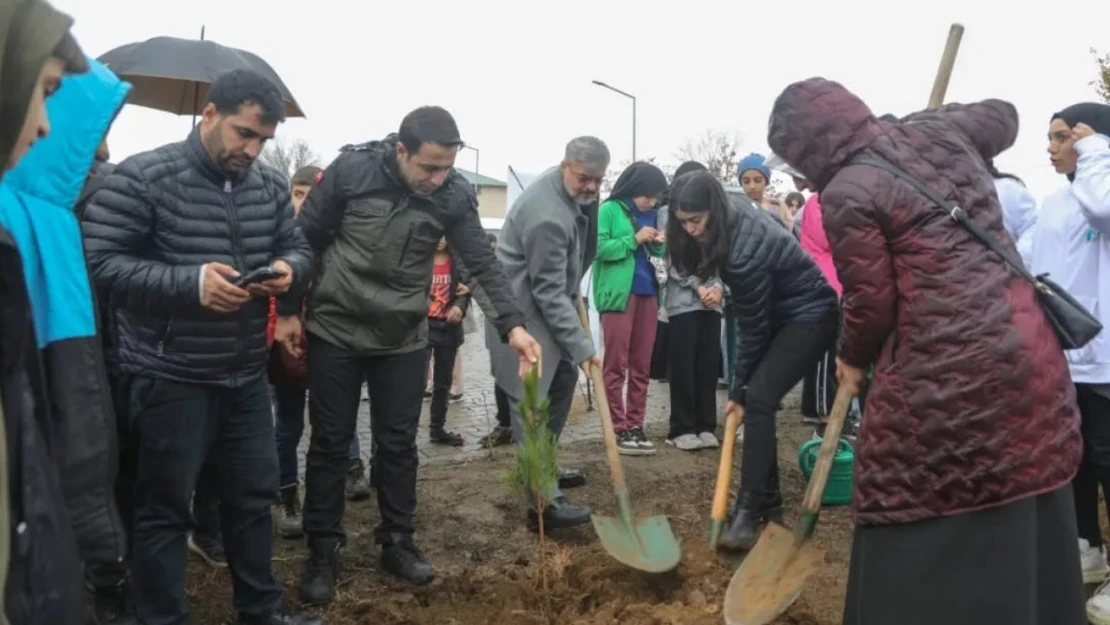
column 261, row 274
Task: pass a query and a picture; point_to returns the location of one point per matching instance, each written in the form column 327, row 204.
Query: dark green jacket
column 375, row 240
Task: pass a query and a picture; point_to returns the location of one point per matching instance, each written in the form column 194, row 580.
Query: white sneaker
column 686, row 442
column 1093, row 562
column 1098, row 606
column 709, row 440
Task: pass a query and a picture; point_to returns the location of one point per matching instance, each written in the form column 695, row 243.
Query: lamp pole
column 630, row 97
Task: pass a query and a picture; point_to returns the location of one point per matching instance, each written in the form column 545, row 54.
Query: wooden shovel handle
column 616, row 469
column 947, row 62
column 833, row 427
column 724, row 469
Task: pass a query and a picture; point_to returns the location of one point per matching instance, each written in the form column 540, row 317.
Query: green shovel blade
column 646, row 544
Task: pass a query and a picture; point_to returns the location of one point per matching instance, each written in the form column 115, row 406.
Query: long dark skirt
column 1017, row 564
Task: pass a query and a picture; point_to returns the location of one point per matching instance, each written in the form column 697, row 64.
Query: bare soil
column 471, row 526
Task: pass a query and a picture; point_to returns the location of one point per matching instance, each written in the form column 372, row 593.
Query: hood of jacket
column 58, row 165
column 817, row 125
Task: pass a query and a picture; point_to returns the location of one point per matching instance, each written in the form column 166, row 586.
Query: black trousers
column 660, row 353
column 819, row 386
column 504, row 417
column 443, row 359
column 106, row 575
column 792, row 354
column 1094, row 470
column 396, row 387
column 180, row 427
column 694, row 350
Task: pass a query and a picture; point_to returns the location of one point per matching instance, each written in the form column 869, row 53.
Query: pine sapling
column 536, row 472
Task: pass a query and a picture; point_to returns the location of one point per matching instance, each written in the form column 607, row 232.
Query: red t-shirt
column 440, row 294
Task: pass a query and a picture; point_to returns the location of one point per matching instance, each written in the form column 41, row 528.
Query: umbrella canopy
column 173, row 75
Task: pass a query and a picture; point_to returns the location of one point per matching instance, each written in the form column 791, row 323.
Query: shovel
column 724, row 477
column 647, row 544
column 772, row 575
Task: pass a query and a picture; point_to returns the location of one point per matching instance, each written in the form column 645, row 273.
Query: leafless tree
column 715, row 149
column 289, row 156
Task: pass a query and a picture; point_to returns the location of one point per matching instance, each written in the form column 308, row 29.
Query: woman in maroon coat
column 964, row 514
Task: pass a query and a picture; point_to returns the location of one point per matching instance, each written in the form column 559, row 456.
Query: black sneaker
column 112, row 606
column 646, row 446
column 500, row 435
column 628, row 444
column 210, row 548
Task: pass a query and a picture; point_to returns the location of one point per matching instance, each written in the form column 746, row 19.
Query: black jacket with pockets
column 376, row 239
column 156, row 221
column 773, row 282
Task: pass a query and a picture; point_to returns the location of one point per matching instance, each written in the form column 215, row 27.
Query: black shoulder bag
column 1075, row 326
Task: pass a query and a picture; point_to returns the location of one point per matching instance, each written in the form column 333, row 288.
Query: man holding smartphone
column 169, row 234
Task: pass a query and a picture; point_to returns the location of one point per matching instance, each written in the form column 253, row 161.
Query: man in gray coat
column 544, row 247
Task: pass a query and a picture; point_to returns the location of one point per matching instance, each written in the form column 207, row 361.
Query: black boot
column 559, row 514
column 400, row 557
column 320, row 571
column 281, row 616
column 743, row 526
column 289, row 521
column 112, row 606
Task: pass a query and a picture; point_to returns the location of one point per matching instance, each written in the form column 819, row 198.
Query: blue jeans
column 179, row 427
column 289, row 426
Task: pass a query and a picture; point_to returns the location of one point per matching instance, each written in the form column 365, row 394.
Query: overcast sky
column 516, row 75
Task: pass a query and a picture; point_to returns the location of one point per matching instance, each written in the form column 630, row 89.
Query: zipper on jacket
column 165, row 338
column 240, row 260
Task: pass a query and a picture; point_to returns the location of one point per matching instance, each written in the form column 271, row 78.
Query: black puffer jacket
column 159, row 217
column 773, row 283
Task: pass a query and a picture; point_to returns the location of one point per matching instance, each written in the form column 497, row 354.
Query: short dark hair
column 795, row 198
column 305, row 175
column 242, row 86
column 429, row 124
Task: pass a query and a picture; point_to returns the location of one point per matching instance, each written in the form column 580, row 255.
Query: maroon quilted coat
column 971, row 405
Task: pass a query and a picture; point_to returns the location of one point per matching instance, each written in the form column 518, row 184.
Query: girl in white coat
column 1071, row 243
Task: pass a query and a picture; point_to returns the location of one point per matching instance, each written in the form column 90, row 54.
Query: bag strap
column 957, row 214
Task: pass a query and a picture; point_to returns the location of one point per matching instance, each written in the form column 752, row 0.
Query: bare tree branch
column 715, row 149
column 289, row 156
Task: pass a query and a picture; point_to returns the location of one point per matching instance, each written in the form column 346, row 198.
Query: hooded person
column 1071, row 243
column 37, row 210
column 49, row 522
column 626, row 295
column 971, row 430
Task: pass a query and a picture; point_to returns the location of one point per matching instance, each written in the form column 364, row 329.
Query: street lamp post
column 630, row 97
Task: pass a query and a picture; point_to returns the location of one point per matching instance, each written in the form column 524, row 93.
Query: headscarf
column 31, row 31
column 1095, row 115
column 754, row 162
column 640, row 179
column 689, row 167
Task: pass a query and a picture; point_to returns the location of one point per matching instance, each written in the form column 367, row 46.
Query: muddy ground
column 471, row 526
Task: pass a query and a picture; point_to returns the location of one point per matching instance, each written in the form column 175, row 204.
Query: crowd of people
column 158, row 316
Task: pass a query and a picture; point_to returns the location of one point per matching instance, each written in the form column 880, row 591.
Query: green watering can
column 838, row 491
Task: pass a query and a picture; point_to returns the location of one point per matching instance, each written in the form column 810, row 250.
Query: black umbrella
column 172, row 75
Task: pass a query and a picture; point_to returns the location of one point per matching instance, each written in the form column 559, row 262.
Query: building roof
column 479, row 179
